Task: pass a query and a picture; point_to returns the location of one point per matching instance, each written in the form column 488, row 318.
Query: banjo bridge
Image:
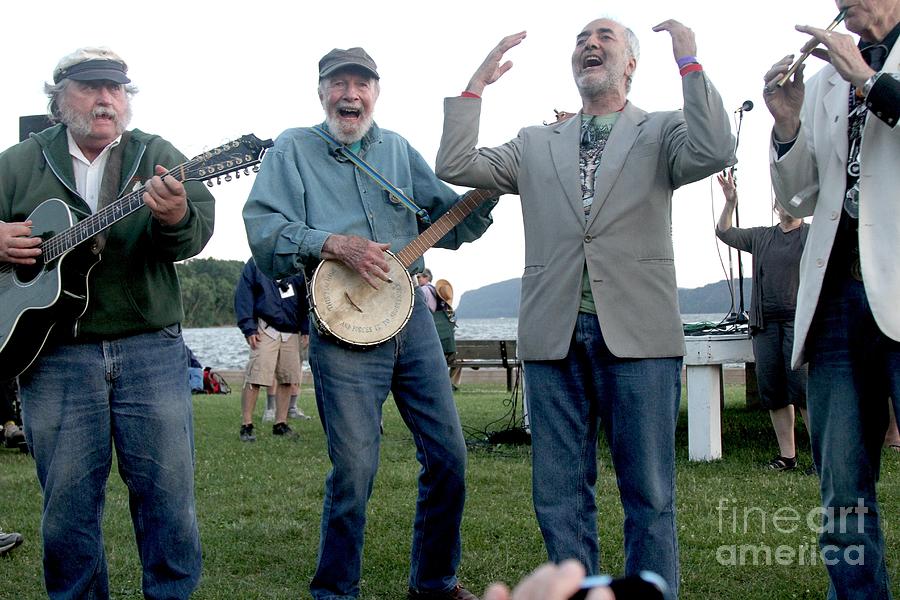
column 352, row 303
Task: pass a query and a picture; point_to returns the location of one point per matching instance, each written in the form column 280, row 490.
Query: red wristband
column 470, row 95
column 690, row 68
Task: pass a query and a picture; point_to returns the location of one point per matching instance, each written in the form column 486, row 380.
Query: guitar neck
column 453, row 217
column 101, row 220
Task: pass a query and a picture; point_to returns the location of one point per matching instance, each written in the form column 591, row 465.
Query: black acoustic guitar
column 34, row 298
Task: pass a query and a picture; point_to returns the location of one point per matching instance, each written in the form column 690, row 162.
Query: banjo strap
column 369, row 170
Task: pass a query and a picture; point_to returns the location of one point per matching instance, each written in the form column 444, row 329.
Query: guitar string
column 58, row 244
column 433, row 234
column 469, row 202
column 54, row 247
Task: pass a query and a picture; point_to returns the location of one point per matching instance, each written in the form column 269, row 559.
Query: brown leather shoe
column 457, row 593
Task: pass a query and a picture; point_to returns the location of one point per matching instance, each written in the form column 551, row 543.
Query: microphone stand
column 740, row 317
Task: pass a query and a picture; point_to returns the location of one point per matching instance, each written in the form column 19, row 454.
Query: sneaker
column 269, row 415
column 296, row 413
column 247, row 433
column 457, row 593
column 782, row 463
column 13, row 436
column 8, row 541
column 283, row 429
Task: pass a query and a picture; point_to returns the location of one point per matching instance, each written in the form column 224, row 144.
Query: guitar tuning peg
column 237, row 174
column 228, row 177
column 209, row 183
column 256, row 169
column 246, row 171
column 218, row 181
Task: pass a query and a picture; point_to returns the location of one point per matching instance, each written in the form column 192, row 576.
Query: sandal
column 782, row 463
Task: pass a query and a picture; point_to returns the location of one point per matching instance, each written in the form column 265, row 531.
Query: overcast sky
column 212, row 71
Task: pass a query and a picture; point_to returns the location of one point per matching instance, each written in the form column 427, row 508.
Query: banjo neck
column 453, row 217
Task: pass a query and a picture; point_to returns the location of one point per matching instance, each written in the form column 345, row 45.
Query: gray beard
column 351, row 134
column 593, row 87
column 80, row 124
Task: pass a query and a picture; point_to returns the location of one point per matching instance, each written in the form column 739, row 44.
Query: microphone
column 747, row 106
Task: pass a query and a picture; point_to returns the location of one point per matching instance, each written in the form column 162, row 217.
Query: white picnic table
column 705, row 358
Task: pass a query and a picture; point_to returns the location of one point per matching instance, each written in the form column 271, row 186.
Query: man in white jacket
column 834, row 156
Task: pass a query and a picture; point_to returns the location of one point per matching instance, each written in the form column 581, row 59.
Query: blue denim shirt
column 303, row 194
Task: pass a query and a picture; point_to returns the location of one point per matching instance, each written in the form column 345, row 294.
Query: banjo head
column 353, row 311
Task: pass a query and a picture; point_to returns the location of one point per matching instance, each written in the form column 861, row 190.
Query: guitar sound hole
column 28, row 273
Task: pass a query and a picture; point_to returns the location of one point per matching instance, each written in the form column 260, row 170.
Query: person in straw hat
column 445, row 322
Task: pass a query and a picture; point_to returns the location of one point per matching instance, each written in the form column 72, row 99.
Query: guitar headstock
column 234, row 157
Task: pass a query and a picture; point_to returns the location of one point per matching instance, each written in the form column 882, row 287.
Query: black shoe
column 782, row 463
column 8, row 541
column 811, row 470
column 247, row 433
column 13, row 436
column 283, row 429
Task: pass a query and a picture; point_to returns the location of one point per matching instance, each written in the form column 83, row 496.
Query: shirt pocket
column 403, row 218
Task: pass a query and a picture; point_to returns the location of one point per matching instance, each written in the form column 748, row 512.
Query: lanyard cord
column 366, row 168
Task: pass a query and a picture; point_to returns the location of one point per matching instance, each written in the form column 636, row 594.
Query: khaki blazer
column 810, row 179
column 627, row 241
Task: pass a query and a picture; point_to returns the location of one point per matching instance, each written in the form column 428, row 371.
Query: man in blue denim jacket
column 306, row 205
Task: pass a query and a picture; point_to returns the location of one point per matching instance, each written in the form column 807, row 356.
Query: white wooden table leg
column 704, row 412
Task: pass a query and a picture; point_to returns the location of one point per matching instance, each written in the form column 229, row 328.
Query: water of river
column 225, row 347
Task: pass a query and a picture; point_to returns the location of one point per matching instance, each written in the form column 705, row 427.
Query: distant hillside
column 494, row 300
column 502, row 300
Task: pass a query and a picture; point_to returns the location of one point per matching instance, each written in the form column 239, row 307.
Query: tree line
column 207, row 291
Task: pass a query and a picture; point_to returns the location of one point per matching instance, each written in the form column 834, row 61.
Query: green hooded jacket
column 134, row 287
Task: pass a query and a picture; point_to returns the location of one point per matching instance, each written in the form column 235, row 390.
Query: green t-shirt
column 595, row 132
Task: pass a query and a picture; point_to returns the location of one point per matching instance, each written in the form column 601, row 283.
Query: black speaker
column 32, row 124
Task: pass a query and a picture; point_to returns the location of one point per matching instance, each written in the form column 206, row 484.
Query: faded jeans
column 80, row 399
column 351, row 387
column 636, row 402
column 853, row 369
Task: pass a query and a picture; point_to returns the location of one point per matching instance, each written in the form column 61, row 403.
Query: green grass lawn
column 259, row 507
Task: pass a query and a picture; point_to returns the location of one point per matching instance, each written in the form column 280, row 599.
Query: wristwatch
column 869, row 84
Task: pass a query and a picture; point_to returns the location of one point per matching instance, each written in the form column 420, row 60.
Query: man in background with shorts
column 272, row 316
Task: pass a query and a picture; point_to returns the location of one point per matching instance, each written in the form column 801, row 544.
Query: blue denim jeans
column 853, row 370
column 351, row 387
column 636, row 402
column 80, row 399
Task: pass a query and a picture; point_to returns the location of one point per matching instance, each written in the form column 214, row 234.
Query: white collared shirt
column 89, row 175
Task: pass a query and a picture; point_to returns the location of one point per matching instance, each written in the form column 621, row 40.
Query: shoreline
column 234, row 377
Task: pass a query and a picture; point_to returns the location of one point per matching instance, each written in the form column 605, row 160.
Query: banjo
column 348, row 308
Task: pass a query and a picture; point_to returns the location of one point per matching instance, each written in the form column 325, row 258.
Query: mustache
column 102, row 111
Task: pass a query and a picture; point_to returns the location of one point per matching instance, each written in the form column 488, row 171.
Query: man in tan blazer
column 599, row 324
column 835, row 156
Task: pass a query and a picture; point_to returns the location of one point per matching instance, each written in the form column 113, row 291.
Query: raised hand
column 729, row 187
column 786, row 101
column 683, row 42
column 491, row 69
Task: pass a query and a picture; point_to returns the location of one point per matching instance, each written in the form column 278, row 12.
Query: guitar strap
column 109, row 187
column 369, row 170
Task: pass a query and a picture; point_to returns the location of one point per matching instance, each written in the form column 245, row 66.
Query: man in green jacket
column 117, row 372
